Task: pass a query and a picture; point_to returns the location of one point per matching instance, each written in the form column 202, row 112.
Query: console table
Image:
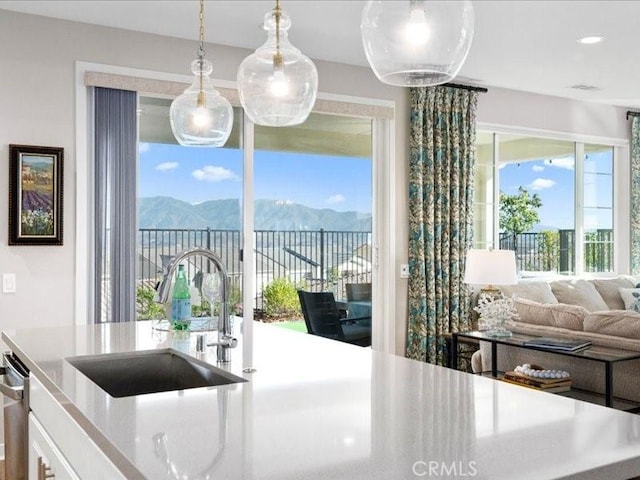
column 596, row 353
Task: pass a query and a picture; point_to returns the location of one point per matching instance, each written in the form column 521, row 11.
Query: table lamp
column 490, row 268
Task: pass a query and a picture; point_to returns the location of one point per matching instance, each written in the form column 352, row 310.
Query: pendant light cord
column 277, row 57
column 201, row 99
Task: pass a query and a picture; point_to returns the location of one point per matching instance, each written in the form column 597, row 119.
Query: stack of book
column 554, row 385
column 558, row 344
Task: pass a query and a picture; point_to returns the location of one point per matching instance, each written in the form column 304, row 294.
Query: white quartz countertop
column 318, row 409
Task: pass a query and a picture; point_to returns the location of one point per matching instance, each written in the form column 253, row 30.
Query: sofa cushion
column 555, row 315
column 608, row 288
column 634, row 279
column 536, row 291
column 631, row 298
column 579, row 292
column 616, row 323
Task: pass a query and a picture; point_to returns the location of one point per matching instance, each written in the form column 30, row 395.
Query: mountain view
column 167, row 212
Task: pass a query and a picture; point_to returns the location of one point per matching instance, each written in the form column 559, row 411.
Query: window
column 312, row 186
column 598, row 208
column 553, row 204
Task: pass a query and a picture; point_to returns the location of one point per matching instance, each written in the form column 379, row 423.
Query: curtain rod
column 467, row 87
column 632, row 114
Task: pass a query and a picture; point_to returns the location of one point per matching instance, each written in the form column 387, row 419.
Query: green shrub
column 549, row 250
column 146, row 307
column 234, row 304
column 235, row 300
column 281, row 298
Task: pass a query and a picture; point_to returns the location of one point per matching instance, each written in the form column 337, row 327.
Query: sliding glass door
column 311, row 191
column 313, row 214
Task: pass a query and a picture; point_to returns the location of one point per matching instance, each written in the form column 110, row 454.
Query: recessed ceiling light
column 590, row 40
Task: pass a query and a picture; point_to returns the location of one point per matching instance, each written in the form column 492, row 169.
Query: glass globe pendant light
column 277, row 83
column 413, row 43
column 201, row 117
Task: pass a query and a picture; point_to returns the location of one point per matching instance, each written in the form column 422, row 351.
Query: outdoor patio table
column 359, row 309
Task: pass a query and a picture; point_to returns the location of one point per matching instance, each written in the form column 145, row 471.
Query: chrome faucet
column 226, row 341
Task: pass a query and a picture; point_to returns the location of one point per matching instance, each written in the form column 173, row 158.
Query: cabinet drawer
column 45, row 460
column 86, row 459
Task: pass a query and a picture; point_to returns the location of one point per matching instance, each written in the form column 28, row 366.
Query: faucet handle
column 225, row 341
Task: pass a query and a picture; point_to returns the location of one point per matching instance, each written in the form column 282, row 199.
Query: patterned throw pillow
column 631, row 298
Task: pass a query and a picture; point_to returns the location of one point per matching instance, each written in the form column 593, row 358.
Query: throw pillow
column 536, row 291
column 608, row 288
column 631, row 298
column 579, row 292
column 616, row 323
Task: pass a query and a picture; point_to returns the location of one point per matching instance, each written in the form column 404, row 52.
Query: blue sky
column 553, row 181
column 196, row 175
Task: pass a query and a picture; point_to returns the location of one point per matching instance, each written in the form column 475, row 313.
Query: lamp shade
column 277, row 83
column 491, row 267
column 413, row 43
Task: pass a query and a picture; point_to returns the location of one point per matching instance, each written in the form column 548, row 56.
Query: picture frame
column 35, row 195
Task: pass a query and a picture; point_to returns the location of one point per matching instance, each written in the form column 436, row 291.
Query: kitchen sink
column 149, row 371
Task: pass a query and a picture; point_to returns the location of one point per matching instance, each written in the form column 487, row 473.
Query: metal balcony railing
column 315, row 260
column 554, row 250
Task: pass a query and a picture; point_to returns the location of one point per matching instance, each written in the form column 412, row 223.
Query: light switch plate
column 8, row 283
column 404, row 270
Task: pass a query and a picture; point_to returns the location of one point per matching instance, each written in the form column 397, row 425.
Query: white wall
column 37, row 99
column 510, row 107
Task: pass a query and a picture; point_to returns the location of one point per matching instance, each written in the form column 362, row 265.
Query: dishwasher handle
column 13, row 377
column 14, row 392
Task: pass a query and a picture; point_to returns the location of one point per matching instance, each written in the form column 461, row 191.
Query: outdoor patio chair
column 358, row 291
column 322, row 318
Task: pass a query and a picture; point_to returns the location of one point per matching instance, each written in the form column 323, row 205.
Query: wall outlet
column 404, row 270
column 8, row 283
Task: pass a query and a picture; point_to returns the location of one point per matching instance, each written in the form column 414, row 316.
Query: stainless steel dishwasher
column 14, row 385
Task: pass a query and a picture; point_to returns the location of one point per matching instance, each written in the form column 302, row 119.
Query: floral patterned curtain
column 635, row 195
column 442, row 152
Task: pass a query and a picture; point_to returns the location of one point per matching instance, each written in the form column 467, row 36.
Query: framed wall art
column 35, row 195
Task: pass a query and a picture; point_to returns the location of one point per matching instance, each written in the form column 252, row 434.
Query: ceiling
column 522, row 45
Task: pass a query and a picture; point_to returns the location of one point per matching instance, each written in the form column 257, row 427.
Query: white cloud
column 337, row 198
column 166, row 166
column 566, row 162
column 541, row 184
column 537, row 168
column 143, row 147
column 211, row 173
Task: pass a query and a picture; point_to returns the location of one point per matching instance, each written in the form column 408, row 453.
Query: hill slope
column 167, row 212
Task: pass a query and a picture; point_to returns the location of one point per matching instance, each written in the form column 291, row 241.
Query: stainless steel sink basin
column 149, row 371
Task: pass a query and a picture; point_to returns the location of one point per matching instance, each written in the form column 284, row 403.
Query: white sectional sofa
column 593, row 310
